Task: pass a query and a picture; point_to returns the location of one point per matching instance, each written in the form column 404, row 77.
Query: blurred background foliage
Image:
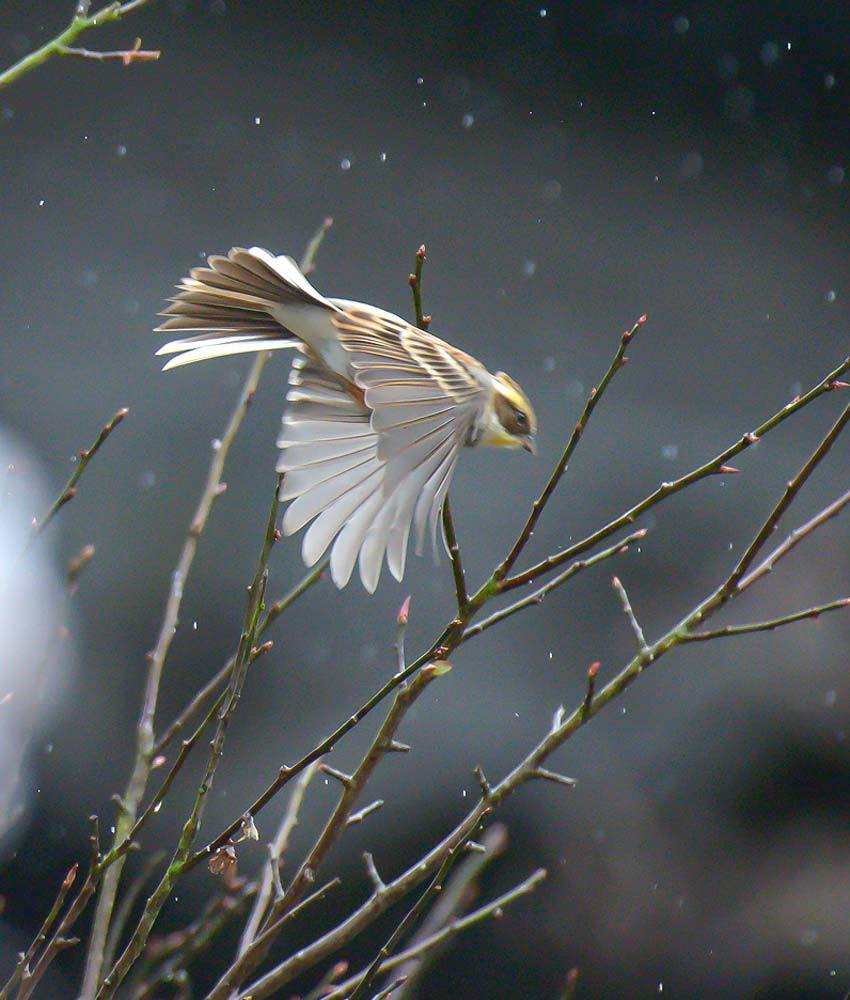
column 569, row 166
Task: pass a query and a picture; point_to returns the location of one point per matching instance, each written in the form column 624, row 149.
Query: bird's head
column 511, row 423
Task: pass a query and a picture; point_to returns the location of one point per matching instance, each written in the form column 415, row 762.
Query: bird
column 377, row 413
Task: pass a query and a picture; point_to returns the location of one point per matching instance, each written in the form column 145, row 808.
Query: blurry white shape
column 829, row 81
column 548, row 364
column 382, row 157
column 120, row 150
column 830, row 698
column 681, row 25
column 529, row 267
column 420, row 80
column 543, row 12
column 670, row 452
column 34, row 662
column 147, row 480
column 40, row 202
column 258, row 120
column 831, row 296
column 345, row 163
column 468, row 120
column 835, row 176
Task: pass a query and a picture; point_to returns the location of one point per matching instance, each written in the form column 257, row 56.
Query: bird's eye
column 521, row 418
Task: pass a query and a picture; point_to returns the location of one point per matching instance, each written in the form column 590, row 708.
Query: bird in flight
column 378, row 410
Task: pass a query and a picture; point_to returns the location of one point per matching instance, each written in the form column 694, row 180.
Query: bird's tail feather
column 231, row 304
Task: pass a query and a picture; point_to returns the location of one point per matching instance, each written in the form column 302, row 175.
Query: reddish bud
column 7, row 697
column 68, row 881
column 593, row 670
column 593, row 392
column 641, row 533
column 278, row 534
column 221, row 488
column 751, row 438
column 411, row 280
column 158, row 761
column 404, row 611
column 728, row 470
column 642, row 319
column 420, row 253
column 836, row 384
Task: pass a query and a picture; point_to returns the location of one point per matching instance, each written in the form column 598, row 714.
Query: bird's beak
column 530, row 444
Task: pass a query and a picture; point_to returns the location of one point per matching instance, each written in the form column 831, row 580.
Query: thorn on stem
column 343, row 778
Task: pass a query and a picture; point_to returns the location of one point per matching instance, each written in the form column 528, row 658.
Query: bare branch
column 596, row 394
column 271, row 875
column 794, row 539
column 82, row 21
column 69, row 490
column 770, row 624
column 629, row 613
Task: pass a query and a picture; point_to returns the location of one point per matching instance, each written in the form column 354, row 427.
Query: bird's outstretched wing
column 365, row 460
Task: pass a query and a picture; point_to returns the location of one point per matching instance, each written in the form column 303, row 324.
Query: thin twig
column 457, row 896
column 408, row 920
column 794, row 539
column 277, row 849
column 617, row 584
column 785, row 501
column 537, row 597
column 69, row 490
column 668, row 489
column 261, row 989
column 127, row 56
column 26, row 959
column 423, row 322
column 770, row 624
column 461, row 595
column 596, row 394
column 420, row 948
column 81, row 22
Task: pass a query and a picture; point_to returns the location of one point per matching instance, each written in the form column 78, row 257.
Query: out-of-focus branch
column 81, row 21
column 145, row 737
column 69, row 490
